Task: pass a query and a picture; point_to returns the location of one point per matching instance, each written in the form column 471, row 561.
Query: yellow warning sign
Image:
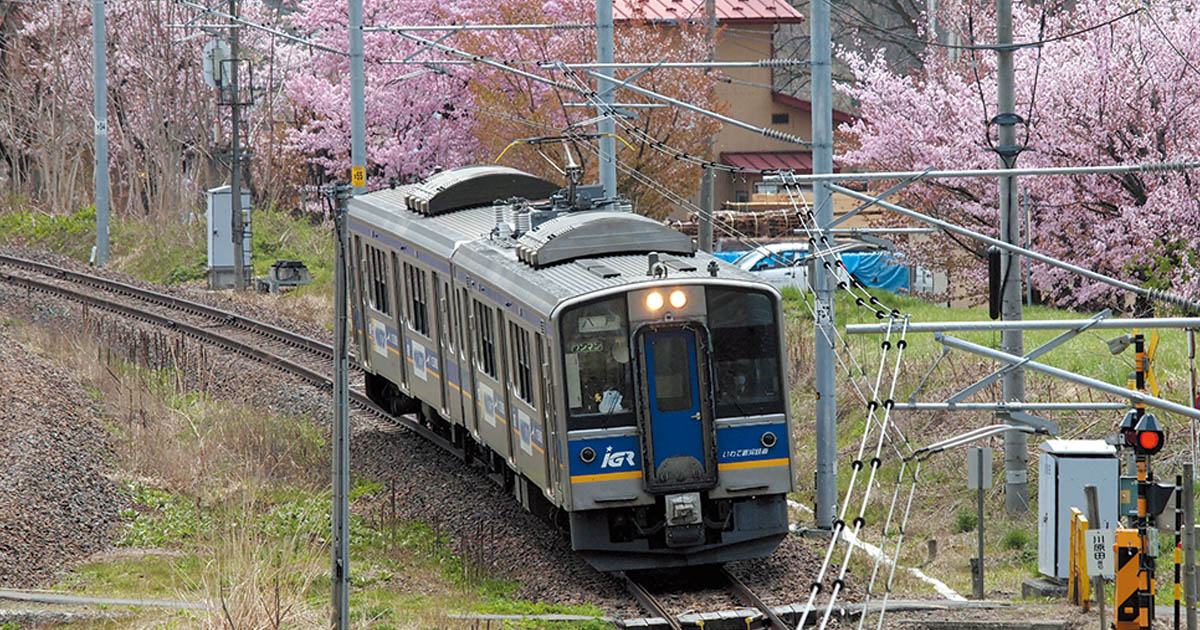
column 358, row 176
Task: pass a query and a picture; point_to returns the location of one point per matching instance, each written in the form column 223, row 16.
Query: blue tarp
column 879, row 270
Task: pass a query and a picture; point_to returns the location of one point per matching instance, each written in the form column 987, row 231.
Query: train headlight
column 678, row 299
column 654, row 301
column 587, row 455
column 768, row 439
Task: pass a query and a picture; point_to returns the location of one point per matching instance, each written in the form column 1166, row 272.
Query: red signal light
column 1149, row 436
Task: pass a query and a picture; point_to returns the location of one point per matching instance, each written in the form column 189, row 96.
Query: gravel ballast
column 57, row 501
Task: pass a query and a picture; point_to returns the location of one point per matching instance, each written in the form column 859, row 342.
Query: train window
column 485, row 339
column 377, row 289
column 522, row 370
column 419, row 296
column 672, row 377
column 745, row 351
column 596, row 365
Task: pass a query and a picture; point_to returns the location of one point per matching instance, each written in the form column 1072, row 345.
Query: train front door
column 676, row 410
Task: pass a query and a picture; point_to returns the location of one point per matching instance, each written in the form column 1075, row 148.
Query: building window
column 418, row 298
column 741, row 196
column 522, row 371
column 779, row 118
column 485, row 338
column 377, row 292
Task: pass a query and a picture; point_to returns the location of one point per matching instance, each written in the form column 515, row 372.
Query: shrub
column 965, row 520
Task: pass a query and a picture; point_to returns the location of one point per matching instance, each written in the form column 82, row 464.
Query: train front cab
column 678, row 444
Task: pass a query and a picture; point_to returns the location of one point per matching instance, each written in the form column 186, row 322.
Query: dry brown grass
column 217, row 454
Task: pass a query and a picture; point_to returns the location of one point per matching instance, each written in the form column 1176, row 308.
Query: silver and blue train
column 611, row 376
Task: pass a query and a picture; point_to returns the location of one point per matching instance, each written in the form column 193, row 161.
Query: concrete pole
column 823, row 338
column 704, row 231
column 1093, row 514
column 100, row 128
column 341, row 431
column 1016, row 473
column 358, row 81
column 235, row 160
column 608, row 126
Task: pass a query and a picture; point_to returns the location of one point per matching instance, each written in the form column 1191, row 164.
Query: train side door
column 450, row 368
column 677, row 434
column 466, row 369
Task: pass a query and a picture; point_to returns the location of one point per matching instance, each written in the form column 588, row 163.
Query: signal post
column 1137, row 547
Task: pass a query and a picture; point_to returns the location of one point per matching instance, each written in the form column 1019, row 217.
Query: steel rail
column 985, row 172
column 751, row 598
column 648, row 601
column 213, row 337
column 1033, row 324
column 170, row 301
column 1132, row 395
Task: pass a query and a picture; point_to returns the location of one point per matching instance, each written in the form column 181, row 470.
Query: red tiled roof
column 768, row 11
column 806, row 106
column 799, row 161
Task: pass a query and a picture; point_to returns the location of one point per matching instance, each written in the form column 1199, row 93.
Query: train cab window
column 596, row 365
column 746, row 352
column 672, row 387
column 377, row 285
column 414, row 279
column 522, row 370
column 485, row 339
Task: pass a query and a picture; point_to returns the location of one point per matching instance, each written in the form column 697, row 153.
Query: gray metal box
column 1065, row 467
column 220, row 237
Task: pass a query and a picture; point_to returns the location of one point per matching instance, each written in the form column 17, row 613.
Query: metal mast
column 100, row 127
column 235, row 149
column 822, row 143
column 358, row 118
column 1016, row 473
column 607, row 126
column 704, row 230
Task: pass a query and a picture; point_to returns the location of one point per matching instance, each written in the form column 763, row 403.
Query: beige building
column 747, row 33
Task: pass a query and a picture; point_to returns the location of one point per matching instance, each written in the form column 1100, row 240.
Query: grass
column 173, row 251
column 943, row 508
column 229, row 506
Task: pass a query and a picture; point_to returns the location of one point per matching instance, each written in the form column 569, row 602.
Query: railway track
column 661, row 616
column 146, row 306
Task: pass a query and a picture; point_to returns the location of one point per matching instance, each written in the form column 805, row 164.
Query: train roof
column 574, row 254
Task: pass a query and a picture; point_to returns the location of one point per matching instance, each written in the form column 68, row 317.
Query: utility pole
column 822, row 143
column 358, row 117
column 235, row 160
column 704, row 230
column 1016, row 464
column 341, row 423
column 100, row 128
column 607, row 126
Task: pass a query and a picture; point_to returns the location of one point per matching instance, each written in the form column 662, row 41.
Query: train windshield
column 596, row 364
column 745, row 353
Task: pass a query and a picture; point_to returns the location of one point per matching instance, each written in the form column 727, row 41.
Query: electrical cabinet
column 1064, row 468
column 220, row 237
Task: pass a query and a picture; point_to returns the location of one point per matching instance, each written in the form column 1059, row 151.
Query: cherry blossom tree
column 1124, row 92
column 415, row 119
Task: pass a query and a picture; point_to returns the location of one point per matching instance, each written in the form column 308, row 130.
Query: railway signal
column 1149, row 436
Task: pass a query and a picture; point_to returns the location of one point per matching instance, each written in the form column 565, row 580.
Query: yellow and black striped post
column 1132, row 583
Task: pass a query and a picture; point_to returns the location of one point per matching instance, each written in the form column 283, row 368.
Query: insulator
column 1178, row 300
column 781, row 63
column 786, row 137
